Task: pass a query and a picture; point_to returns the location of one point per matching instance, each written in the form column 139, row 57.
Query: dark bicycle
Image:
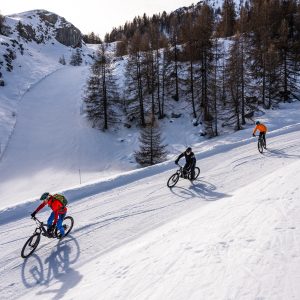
column 261, row 145
column 181, row 174
column 41, row 229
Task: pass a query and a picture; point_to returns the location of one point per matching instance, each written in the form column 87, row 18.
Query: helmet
column 44, row 196
column 188, row 149
column 257, row 123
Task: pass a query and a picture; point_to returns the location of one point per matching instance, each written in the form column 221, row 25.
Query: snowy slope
column 31, row 65
column 244, row 247
column 53, row 148
column 233, row 234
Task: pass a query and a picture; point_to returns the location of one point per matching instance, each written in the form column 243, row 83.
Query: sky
column 92, row 15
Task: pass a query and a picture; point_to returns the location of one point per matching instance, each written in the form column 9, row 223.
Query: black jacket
column 189, row 158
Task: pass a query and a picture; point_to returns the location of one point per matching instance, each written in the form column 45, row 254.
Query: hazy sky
column 91, row 15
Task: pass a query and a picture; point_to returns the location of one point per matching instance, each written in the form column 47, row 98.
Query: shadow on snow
column 55, row 268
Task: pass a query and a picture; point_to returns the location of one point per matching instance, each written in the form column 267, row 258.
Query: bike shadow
column 200, row 188
column 280, row 154
column 56, row 268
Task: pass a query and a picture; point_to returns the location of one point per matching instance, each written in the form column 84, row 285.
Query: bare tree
column 101, row 97
column 152, row 151
column 134, row 81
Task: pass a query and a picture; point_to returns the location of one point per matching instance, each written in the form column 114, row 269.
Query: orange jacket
column 261, row 128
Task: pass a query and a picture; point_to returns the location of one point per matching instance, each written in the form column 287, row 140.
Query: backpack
column 61, row 198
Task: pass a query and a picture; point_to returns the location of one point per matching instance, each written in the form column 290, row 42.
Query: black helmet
column 44, row 196
column 257, row 123
column 188, row 149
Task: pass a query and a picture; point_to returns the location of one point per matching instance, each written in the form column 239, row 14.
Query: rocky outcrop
column 69, row 36
column 41, row 26
column 65, row 32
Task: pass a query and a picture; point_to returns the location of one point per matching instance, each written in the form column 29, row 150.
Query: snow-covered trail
column 112, row 234
column 244, row 248
column 52, row 141
column 44, row 146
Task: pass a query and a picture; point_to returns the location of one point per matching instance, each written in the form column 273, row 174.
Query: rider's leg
column 49, row 224
column 185, row 168
column 193, row 164
column 59, row 224
column 264, row 138
column 50, row 220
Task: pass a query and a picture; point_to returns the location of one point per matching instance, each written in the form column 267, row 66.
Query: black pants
column 263, row 134
column 190, row 166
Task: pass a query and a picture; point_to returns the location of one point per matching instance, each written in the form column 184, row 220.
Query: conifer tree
column 76, row 59
column 20, row 29
column 101, row 97
column 121, row 48
column 151, row 151
column 174, row 53
column 234, row 84
column 272, row 76
column 289, row 70
column 135, row 106
column 226, row 27
column 190, row 48
column 204, row 30
column 1, row 24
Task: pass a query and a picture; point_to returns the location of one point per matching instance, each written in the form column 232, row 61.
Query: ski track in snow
column 232, row 234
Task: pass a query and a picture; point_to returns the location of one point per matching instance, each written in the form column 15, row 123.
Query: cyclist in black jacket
column 190, row 161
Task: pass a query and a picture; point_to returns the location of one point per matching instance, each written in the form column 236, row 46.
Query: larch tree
column 135, row 104
column 2, row 19
column 101, row 97
column 204, row 30
column 226, row 27
column 76, row 59
column 152, row 150
column 289, row 71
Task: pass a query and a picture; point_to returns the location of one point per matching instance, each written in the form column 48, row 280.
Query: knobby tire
column 173, row 180
column 32, row 243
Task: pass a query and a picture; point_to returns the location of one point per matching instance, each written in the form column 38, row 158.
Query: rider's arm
column 255, row 129
column 193, row 157
column 180, row 156
column 42, row 205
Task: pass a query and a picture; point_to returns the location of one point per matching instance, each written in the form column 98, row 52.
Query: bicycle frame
column 41, row 226
column 260, row 143
column 180, row 170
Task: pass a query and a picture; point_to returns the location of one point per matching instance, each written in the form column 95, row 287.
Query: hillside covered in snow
column 231, row 234
column 30, row 50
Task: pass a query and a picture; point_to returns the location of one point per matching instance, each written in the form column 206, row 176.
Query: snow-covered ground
column 232, row 234
column 30, row 66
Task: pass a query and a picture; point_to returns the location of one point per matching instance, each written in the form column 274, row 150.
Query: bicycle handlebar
column 37, row 220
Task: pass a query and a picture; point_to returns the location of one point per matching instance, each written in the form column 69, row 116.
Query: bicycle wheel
column 260, row 146
column 173, row 180
column 31, row 245
column 197, row 172
column 67, row 224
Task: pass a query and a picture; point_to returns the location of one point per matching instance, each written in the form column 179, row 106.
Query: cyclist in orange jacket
column 262, row 131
